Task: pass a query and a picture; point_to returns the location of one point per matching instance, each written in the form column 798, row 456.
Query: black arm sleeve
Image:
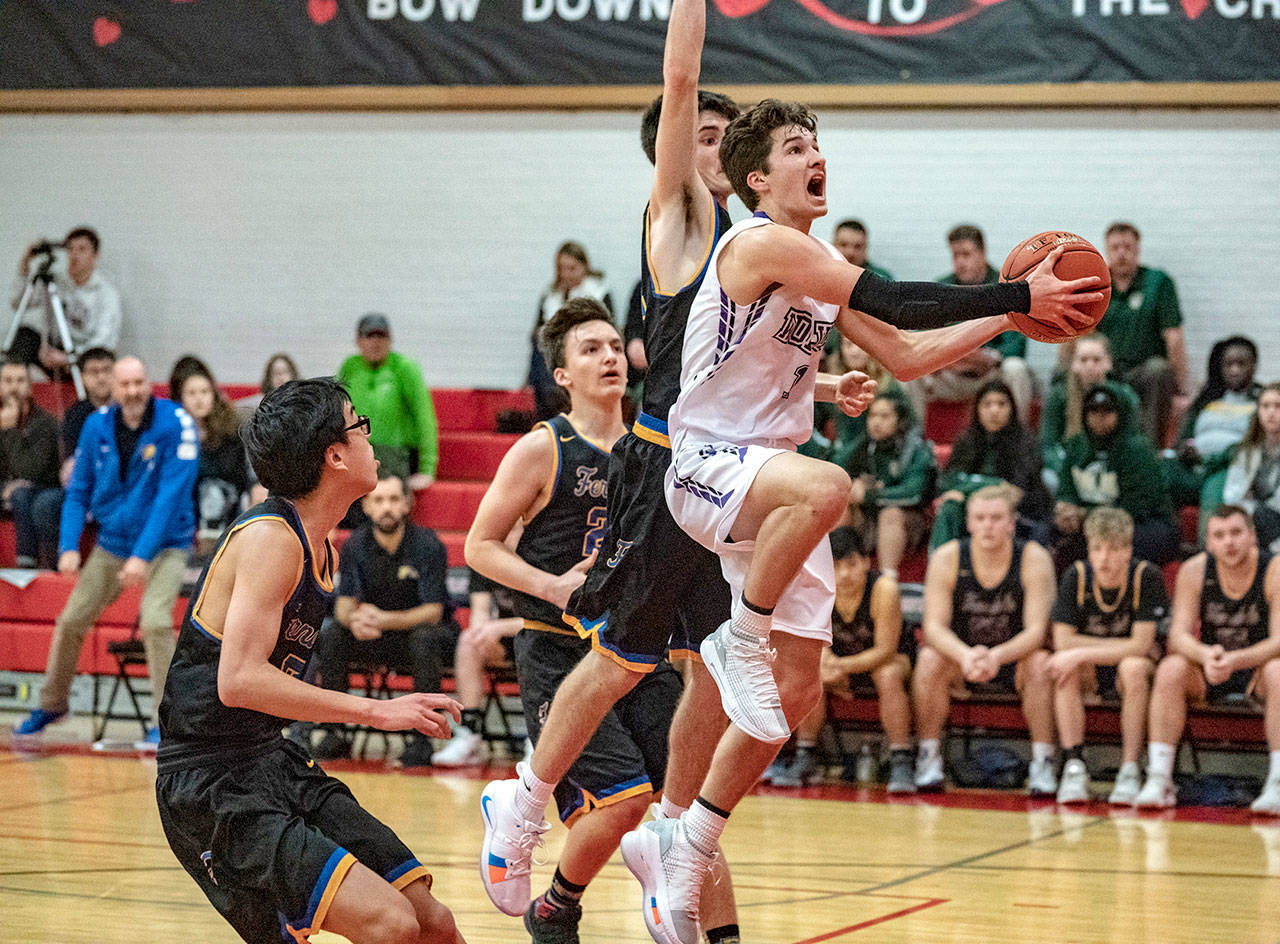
column 919, row 305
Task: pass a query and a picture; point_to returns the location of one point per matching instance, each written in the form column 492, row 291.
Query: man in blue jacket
column 135, row 468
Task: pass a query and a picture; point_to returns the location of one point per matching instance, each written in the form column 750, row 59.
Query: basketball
column 1079, row 261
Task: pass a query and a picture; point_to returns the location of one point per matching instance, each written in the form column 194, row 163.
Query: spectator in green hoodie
column 1109, row 464
column 893, row 472
column 388, row 388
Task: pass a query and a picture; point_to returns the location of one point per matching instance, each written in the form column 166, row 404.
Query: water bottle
column 866, row 767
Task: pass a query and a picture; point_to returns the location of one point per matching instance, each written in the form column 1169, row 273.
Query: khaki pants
column 97, row 588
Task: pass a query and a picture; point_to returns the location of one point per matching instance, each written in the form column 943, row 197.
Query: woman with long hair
column 223, row 479
column 995, row 448
column 574, row 278
column 1253, row 478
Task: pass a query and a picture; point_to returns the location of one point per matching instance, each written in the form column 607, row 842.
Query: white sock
column 703, row 828
column 1041, row 752
column 670, row 809
column 533, row 794
column 747, row 622
column 1160, row 759
column 930, row 748
column 1273, row 771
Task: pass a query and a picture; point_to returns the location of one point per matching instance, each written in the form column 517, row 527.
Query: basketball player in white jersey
column 754, row 339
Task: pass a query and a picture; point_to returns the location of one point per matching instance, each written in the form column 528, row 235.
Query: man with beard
column 392, row 609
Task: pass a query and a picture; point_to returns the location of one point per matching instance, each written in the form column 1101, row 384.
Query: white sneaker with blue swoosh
column 507, row 853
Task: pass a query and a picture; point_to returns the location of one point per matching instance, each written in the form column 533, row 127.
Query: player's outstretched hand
column 854, row 392
column 1054, row 301
column 563, row 586
column 422, row 712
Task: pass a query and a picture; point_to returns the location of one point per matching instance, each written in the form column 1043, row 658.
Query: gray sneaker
column 1128, row 783
column 902, row 773
column 552, row 927
column 802, row 772
column 1074, row 786
column 743, row 671
column 670, row 872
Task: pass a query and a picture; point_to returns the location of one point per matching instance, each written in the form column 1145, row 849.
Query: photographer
column 91, row 303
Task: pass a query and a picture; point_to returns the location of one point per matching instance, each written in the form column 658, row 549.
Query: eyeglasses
column 362, row 422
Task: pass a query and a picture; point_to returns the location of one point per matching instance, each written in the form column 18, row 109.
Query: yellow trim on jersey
column 591, row 802
column 1080, row 581
column 326, row 582
column 412, row 876
column 642, row 667
column 1137, row 584
column 587, row 439
column 555, row 469
column 538, row 626
column 706, row 253
column 691, row 655
column 651, row 435
column 208, row 577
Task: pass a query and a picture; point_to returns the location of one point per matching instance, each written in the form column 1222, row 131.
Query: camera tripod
column 41, row 275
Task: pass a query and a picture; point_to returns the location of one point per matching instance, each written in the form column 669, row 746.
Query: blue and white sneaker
column 507, row 853
column 670, row 871
column 151, row 742
column 37, row 721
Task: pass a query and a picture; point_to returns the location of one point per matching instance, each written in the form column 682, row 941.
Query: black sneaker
column 558, row 927
column 417, row 753
column 333, row 746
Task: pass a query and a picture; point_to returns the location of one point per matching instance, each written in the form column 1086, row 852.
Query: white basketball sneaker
column 1128, row 784
column 743, row 671
column 1074, row 786
column 1157, row 792
column 464, row 748
column 507, row 853
column 670, row 871
column 1268, row 802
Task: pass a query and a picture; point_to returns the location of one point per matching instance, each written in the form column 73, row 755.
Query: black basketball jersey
column 196, row 728
column 571, row 524
column 857, row 634
column 1110, row 614
column 982, row 616
column 1234, row 623
column 665, row 317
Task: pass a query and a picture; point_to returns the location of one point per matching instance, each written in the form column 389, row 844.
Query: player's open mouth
column 818, row 186
column 611, row 375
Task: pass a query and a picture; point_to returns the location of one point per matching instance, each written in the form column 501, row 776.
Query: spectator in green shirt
column 389, row 389
column 850, row 238
column 1004, row 357
column 1144, row 325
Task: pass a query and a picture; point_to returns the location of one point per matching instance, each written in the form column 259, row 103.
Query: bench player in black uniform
column 280, row 848
column 553, row 482
column 1230, row 589
column 987, row 599
column 652, row 587
column 1104, row 632
column 868, row 653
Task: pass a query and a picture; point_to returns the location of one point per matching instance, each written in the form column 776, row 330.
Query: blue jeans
column 37, row 517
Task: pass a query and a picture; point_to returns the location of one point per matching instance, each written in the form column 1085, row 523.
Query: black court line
column 72, row 798
column 151, row 901
column 1150, row 873
column 113, row 871
column 969, row 860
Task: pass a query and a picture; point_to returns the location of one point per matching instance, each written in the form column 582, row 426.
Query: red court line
column 874, row 921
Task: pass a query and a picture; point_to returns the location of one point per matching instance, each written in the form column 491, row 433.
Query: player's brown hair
column 967, row 231
column 572, row 313
column 1122, row 227
column 713, row 102
column 749, row 139
column 1109, row 525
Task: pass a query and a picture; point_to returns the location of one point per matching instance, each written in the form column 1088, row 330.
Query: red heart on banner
column 1194, row 8
column 322, row 11
column 737, row 8
column 105, row 32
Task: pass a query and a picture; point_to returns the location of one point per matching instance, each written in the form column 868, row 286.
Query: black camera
column 45, row 248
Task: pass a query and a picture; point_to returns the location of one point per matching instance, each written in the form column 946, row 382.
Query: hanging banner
column 157, row 44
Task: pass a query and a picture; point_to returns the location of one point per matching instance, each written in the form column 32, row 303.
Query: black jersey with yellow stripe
column 666, row 312
column 570, row 526
column 196, row 728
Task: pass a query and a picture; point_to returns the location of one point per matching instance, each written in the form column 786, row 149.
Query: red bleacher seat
column 448, row 506
column 8, row 544
column 477, row 410
column 455, row 543
column 472, row 455
column 944, row 420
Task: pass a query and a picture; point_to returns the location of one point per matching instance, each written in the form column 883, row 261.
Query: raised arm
column 681, row 208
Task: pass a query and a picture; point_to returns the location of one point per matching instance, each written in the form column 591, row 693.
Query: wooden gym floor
column 83, row 859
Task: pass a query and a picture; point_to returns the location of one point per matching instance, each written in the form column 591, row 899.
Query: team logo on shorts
column 620, row 551
column 206, row 858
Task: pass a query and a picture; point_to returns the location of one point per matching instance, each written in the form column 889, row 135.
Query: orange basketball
column 1079, row 261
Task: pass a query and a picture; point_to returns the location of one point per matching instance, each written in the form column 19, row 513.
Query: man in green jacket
column 389, row 389
column 1111, row 464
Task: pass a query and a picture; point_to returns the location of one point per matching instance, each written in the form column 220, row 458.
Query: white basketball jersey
column 749, row 370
